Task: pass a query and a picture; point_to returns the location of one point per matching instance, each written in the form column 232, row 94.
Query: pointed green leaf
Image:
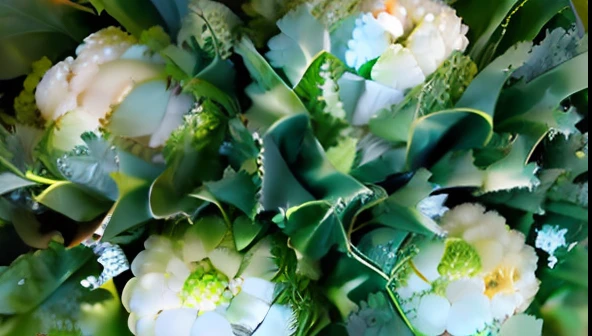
column 73, row 202
column 245, row 231
column 126, row 12
column 10, row 182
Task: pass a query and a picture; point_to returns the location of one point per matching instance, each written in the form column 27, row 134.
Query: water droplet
column 21, row 282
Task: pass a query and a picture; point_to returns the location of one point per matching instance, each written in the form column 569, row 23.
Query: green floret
column 155, row 38
column 460, row 260
column 25, row 106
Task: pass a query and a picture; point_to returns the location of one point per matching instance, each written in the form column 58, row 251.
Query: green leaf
column 73, row 309
column 483, row 19
column 33, row 277
column 484, row 91
column 134, row 15
column 319, row 92
column 73, row 202
column 294, row 156
column 133, row 180
column 457, row 169
column 172, row 12
column 381, row 245
column 212, row 25
column 32, row 29
column 438, row 132
column 526, row 106
column 314, row 229
column 532, row 201
column 211, row 230
column 343, row 156
column 245, row 231
column 400, row 210
column 272, row 98
column 193, row 147
column 237, row 190
column 10, row 182
column 558, row 47
column 529, row 21
column 440, row 92
column 90, row 166
column 26, row 225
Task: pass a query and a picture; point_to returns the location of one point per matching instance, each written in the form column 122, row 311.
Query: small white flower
column 550, row 239
column 107, row 68
column 481, row 275
column 181, row 288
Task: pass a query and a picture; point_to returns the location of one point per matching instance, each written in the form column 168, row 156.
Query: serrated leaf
column 484, row 91
column 529, row 108
column 400, row 210
column 90, row 167
column 32, row 29
column 272, row 98
column 458, row 170
column 314, row 229
column 73, row 202
column 33, row 277
column 529, row 20
column 440, row 92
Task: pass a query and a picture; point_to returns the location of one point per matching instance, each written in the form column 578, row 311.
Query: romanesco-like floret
column 25, row 106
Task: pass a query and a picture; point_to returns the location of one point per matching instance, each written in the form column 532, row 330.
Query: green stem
column 38, row 179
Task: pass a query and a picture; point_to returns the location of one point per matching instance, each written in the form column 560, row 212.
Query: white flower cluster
column 108, row 66
column 181, row 288
column 410, row 38
column 476, row 279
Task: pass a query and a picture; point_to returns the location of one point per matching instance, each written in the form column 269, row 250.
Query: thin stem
column 358, row 256
column 38, row 179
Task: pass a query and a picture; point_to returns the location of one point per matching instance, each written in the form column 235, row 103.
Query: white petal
column 491, row 254
column 523, row 325
column 428, row 47
column 210, row 324
column 150, row 261
column 178, row 322
column 178, row 268
column 398, row 68
column 391, row 24
column 193, row 248
column 428, row 259
column 132, row 320
column 432, row 315
column 459, row 289
column 150, row 295
column 127, row 293
column 262, row 289
column 158, row 243
column 145, row 326
column 179, row 105
column 469, row 315
column 504, row 305
column 247, row 311
column 226, row 261
column 278, row 322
